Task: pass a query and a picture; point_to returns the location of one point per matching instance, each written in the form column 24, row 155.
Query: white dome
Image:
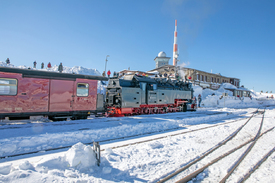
column 162, row 54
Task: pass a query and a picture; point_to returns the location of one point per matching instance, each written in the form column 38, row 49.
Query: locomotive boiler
column 135, row 95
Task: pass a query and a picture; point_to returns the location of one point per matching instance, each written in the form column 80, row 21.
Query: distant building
column 207, row 79
column 161, row 59
column 197, row 77
column 239, row 92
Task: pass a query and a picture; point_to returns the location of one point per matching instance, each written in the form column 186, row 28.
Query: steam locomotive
column 135, row 95
column 28, row 93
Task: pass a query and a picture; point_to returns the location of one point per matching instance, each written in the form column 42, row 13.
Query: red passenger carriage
column 25, row 93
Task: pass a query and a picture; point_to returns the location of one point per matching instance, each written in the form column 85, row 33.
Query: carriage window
column 82, row 89
column 8, row 86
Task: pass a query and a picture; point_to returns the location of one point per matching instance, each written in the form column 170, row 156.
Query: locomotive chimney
column 175, row 50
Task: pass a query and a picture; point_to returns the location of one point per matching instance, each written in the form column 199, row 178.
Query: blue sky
column 233, row 37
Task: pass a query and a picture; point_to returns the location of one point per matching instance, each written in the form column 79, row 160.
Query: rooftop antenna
column 175, row 50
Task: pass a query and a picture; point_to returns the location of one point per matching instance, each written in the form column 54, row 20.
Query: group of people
column 108, row 73
column 115, row 74
column 60, row 67
column 42, row 65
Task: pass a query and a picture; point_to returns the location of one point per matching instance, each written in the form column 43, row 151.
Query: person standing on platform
column 60, row 67
column 8, row 61
column 49, row 65
column 34, row 64
column 199, row 100
column 109, row 73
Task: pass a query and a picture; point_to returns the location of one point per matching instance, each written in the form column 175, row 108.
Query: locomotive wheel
column 184, row 109
column 146, row 110
column 165, row 109
column 137, row 111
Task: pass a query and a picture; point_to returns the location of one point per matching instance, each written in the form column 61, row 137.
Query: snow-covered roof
column 228, row 86
column 153, row 72
column 243, row 89
column 232, row 87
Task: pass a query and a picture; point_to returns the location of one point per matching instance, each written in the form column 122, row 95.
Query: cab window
column 143, row 86
column 8, row 86
column 82, row 90
column 155, row 87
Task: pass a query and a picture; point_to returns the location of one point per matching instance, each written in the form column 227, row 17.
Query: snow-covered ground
column 138, row 162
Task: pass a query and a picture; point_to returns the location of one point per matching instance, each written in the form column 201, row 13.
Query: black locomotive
column 133, row 94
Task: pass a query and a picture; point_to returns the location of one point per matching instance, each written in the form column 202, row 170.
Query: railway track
column 12, row 124
column 133, row 136
column 173, row 177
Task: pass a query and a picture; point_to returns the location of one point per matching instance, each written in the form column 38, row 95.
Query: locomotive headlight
column 116, row 100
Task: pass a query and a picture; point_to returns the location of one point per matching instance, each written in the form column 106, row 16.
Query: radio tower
column 175, row 51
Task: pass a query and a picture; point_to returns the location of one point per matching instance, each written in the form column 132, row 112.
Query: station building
column 197, row 77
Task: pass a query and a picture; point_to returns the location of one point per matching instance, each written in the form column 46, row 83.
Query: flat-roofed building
column 197, row 77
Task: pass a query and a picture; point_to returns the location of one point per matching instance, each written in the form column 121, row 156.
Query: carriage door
column 85, row 92
column 61, row 95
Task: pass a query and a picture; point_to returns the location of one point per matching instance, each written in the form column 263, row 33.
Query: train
column 27, row 93
column 134, row 95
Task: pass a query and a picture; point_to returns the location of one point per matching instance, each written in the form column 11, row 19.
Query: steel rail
column 258, row 164
column 236, row 164
column 125, row 137
column 197, row 172
column 205, row 153
column 173, row 134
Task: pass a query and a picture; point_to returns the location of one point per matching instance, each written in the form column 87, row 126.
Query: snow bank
column 26, row 165
column 78, row 159
column 206, row 92
column 81, row 156
column 214, row 98
column 197, row 90
column 262, row 96
column 6, row 169
column 75, row 69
